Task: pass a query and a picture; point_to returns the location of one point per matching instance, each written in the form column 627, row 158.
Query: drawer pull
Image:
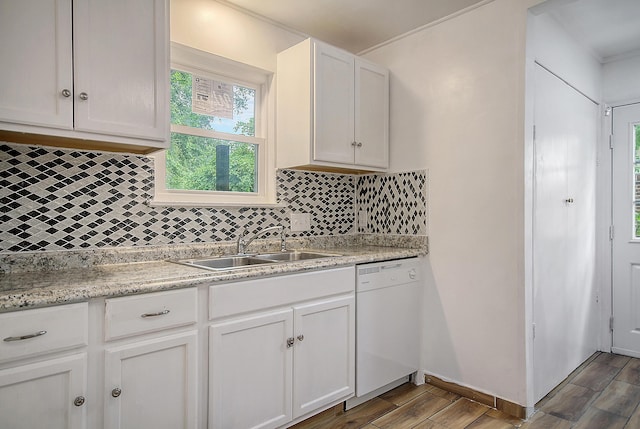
column 25, row 337
column 159, row 313
column 79, row 401
column 116, row 392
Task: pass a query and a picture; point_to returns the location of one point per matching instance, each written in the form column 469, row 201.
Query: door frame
column 604, row 220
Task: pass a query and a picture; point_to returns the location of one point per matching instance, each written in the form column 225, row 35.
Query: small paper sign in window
column 212, row 98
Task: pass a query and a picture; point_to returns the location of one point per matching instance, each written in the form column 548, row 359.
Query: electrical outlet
column 300, row 222
column 362, row 219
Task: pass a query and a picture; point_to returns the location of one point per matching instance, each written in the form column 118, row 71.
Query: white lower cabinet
column 279, row 349
column 43, row 368
column 271, row 368
column 152, row 383
column 250, row 371
column 324, row 353
column 150, row 373
column 47, row 394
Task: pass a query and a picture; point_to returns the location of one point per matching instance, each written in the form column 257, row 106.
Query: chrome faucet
column 243, row 241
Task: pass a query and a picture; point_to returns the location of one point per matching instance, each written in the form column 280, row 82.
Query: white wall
column 621, row 80
column 213, row 27
column 550, row 45
column 457, row 109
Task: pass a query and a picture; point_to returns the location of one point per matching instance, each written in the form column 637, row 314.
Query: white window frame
column 215, row 67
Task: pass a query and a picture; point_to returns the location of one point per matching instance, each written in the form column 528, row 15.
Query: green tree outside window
column 191, row 160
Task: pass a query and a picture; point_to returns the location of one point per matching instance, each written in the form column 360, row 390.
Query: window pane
column 231, row 107
column 637, row 143
column 205, row 164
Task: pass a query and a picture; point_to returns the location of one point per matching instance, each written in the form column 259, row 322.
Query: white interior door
column 564, row 298
column 626, row 220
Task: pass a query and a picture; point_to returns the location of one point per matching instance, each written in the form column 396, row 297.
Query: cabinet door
column 121, row 67
column 250, row 372
column 324, row 369
column 371, row 115
column 152, row 384
column 36, row 52
column 333, row 104
column 42, row 394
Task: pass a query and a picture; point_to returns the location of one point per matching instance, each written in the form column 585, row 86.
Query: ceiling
column 609, row 27
column 353, row 25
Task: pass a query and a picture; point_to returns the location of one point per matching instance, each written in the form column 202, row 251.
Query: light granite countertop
column 20, row 290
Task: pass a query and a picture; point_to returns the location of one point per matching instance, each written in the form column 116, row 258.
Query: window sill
column 257, row 204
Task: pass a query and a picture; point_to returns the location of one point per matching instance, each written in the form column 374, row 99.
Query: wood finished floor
column 603, row 393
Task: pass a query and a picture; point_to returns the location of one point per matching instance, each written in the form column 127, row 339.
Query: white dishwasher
column 388, row 318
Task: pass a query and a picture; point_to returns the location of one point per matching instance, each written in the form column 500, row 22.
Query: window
column 219, row 153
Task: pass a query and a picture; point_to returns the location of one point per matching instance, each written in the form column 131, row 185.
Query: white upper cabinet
column 371, row 115
column 37, row 58
column 333, row 105
column 109, row 83
column 332, row 109
column 121, row 65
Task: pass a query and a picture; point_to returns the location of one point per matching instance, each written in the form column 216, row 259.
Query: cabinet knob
column 79, row 401
column 83, row 96
column 568, row 200
column 290, row 342
column 66, row 93
column 359, row 144
column 354, row 144
column 300, row 337
column 116, row 392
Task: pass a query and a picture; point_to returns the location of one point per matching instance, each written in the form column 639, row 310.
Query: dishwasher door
column 388, row 318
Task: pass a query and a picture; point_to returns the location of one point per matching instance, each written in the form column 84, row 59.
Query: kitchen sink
column 294, row 255
column 246, row 261
column 226, row 262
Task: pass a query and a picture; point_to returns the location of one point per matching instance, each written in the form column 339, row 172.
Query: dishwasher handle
column 391, row 267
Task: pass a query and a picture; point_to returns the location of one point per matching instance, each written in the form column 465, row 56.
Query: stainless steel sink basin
column 246, row 261
column 226, row 262
column 294, row 255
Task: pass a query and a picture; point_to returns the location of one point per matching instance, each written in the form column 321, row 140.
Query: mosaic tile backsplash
column 56, row 199
column 393, row 203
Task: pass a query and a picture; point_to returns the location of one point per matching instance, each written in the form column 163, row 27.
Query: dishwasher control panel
column 388, row 273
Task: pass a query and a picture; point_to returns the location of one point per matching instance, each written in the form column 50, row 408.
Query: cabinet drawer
column 139, row 314
column 31, row 332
